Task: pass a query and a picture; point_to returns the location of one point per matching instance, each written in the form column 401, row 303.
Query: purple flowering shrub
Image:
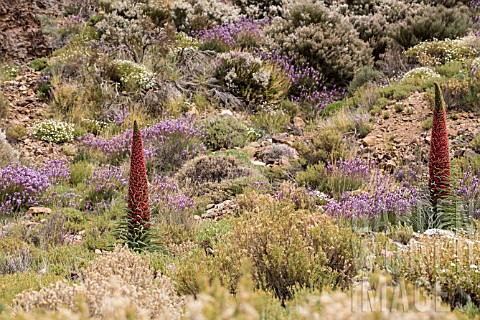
column 380, row 200
column 168, row 202
column 23, row 186
column 307, row 87
column 167, row 144
column 335, row 179
column 106, row 182
column 469, row 191
column 242, row 34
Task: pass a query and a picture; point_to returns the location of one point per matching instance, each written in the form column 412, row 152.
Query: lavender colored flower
column 226, row 36
column 166, row 197
column 182, row 132
column 469, row 191
column 105, row 182
column 380, row 197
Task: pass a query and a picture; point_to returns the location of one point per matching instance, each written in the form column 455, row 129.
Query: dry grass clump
column 110, row 286
column 8, row 154
column 451, row 262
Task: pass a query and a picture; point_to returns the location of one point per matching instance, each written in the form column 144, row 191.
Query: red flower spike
column 138, row 204
column 439, row 162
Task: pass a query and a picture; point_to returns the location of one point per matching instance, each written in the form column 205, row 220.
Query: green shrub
column 15, row 256
column 15, row 133
column 323, row 147
column 318, row 177
column 251, row 78
column 225, row 132
column 475, row 143
column 312, row 33
column 215, row 178
column 53, row 131
column 363, row 76
column 430, row 22
column 8, row 72
column 38, row 64
column 288, row 249
column 270, row 119
column 80, row 171
column 4, row 107
column 427, row 124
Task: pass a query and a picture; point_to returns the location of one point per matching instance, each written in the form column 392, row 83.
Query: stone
column 439, row 232
column 226, row 112
column 298, row 122
column 368, row 141
column 259, row 163
column 35, row 211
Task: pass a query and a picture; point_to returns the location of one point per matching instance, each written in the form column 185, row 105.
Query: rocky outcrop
column 21, row 36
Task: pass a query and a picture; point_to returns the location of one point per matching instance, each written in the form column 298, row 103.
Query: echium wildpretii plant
column 135, row 231
column 439, row 161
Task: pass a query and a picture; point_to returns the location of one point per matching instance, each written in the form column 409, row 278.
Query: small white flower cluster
column 230, row 78
column 95, row 124
column 53, row 131
column 422, row 73
column 134, row 75
column 439, row 52
column 9, row 70
column 262, row 77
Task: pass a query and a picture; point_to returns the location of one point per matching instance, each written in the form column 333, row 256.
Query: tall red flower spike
column 439, row 162
column 138, row 205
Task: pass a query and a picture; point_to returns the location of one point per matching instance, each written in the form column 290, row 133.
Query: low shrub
column 4, row 106
column 436, row 52
column 421, row 73
column 225, row 132
column 326, row 40
column 191, row 15
column 326, row 146
column 133, row 76
column 22, row 187
column 430, row 22
column 15, row 133
column 363, row 76
column 8, row 154
column 38, row 64
column 271, row 119
column 287, row 248
column 119, row 276
column 215, row 178
column 251, row 78
column 338, row 178
column 168, row 144
column 15, row 256
column 53, row 131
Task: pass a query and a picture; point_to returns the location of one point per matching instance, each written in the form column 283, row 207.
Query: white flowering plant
column 8, row 71
column 251, row 78
column 53, row 131
column 432, row 53
column 421, row 73
column 195, row 15
column 134, row 76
